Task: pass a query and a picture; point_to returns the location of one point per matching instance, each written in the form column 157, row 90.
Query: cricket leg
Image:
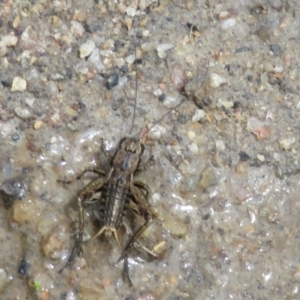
column 92, row 187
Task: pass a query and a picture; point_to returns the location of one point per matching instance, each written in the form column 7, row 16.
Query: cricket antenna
column 136, row 91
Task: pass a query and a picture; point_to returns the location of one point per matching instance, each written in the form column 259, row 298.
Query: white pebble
column 77, row 29
column 86, row 48
column 19, row 84
column 3, row 279
column 95, row 59
column 191, row 134
column 276, row 156
column 170, row 102
column 162, row 54
column 164, row 47
column 29, row 101
column 9, row 40
column 228, row 23
column 22, row 113
column 260, row 157
column 220, row 145
column 286, row 143
column 131, row 11
column 198, row 115
column 193, row 148
column 156, row 132
column 157, row 92
column 146, row 33
column 130, row 59
column 216, row 80
column 225, row 103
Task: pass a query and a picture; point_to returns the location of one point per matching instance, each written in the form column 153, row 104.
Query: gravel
column 224, row 185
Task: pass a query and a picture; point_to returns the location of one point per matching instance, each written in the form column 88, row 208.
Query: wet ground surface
column 225, row 183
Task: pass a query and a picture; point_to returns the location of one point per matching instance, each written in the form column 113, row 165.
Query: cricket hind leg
column 139, row 206
column 89, row 190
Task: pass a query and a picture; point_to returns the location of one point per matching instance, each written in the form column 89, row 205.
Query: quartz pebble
column 86, row 48
column 228, row 23
column 77, row 29
column 3, row 279
column 10, row 40
column 287, row 142
column 18, row 84
column 198, row 115
column 164, row 47
column 193, row 148
column 216, row 80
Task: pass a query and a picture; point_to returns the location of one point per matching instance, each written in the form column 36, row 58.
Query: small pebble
column 170, row 101
column 260, row 157
column 16, row 21
column 38, row 124
column 164, row 47
column 146, row 33
column 193, row 148
column 9, row 40
column 198, row 115
column 15, row 137
column 216, row 80
column 228, row 23
column 77, row 29
column 162, row 54
column 225, row 103
column 130, row 59
column 191, row 134
column 95, row 59
column 223, row 15
column 19, row 84
column 3, row 279
column 286, row 143
column 29, row 101
column 220, row 145
column 156, row 132
column 131, row 11
column 86, row 48
column 23, row 113
column 113, row 80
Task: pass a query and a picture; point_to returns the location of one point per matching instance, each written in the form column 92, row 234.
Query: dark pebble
column 117, row 103
column 162, row 97
column 244, row 156
column 276, row 49
column 207, row 101
column 92, row 25
column 15, row 137
column 16, row 187
column 23, row 268
column 113, row 80
column 124, row 69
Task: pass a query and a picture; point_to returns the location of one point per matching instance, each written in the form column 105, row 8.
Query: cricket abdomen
column 113, row 204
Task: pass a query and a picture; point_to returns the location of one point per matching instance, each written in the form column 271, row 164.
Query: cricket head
column 128, row 156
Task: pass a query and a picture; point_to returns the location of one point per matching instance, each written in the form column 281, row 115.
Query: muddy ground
column 225, row 180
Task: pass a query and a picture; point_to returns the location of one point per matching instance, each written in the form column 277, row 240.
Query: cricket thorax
column 128, row 156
